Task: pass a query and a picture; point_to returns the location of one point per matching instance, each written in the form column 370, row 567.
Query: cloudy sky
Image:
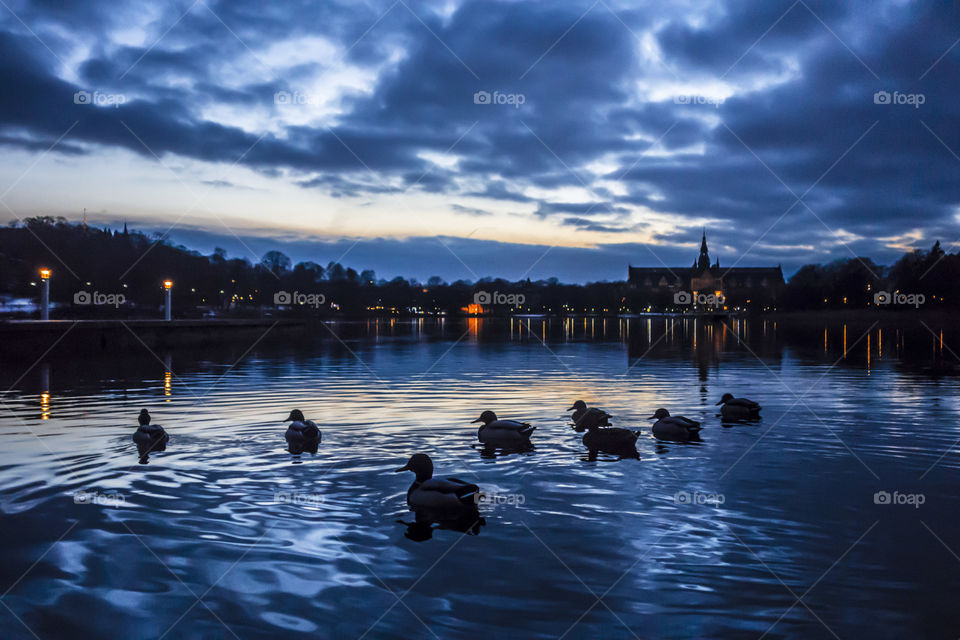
column 477, row 138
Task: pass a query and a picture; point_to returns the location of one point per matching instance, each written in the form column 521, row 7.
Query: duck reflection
column 426, row 520
column 494, row 451
column 149, row 438
column 625, row 453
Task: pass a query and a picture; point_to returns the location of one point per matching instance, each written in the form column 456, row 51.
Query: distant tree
column 276, row 261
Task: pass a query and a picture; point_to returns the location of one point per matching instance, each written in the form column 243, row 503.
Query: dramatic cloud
column 793, row 131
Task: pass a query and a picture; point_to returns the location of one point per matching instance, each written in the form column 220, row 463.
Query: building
column 754, row 287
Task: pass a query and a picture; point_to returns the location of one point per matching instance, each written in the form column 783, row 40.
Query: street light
column 168, row 287
column 44, row 293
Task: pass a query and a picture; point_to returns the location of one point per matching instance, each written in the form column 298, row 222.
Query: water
column 761, row 530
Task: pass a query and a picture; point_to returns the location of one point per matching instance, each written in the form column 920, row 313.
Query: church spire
column 703, row 262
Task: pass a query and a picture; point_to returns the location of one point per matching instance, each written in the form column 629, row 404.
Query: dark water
column 761, row 530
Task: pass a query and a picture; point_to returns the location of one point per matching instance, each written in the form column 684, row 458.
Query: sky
column 489, row 138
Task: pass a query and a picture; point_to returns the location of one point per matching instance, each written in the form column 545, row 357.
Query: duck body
column 442, row 494
column 437, row 494
column 676, row 428
column 613, row 439
column 149, row 436
column 738, row 408
column 586, row 417
column 508, row 432
column 505, row 433
column 306, row 432
column 301, row 431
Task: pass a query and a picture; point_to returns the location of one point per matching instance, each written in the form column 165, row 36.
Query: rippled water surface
column 770, row 529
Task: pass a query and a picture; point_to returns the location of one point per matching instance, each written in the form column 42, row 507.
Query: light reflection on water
column 319, row 548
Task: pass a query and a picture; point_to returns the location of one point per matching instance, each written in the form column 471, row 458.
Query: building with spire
column 739, row 286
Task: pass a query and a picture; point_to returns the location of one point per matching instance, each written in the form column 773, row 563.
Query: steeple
column 703, row 263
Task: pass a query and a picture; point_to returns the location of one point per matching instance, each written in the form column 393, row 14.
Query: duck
column 301, row 432
column 738, row 408
column 510, row 433
column 584, row 417
column 437, row 494
column 612, row 439
column 675, row 428
column 149, row 436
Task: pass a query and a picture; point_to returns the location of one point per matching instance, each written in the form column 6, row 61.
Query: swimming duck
column 585, row 417
column 738, row 408
column 431, row 493
column 503, row 432
column 675, row 428
column 301, row 432
column 150, row 437
column 611, row 440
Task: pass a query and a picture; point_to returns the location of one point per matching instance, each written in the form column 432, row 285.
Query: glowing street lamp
column 167, row 287
column 44, row 293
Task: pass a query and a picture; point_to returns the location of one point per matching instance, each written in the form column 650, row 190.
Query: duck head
column 421, row 465
column 579, row 405
column 144, row 418
column 486, row 418
column 295, row 416
column 727, row 397
column 659, row 414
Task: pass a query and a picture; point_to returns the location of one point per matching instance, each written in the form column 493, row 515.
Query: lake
column 833, row 516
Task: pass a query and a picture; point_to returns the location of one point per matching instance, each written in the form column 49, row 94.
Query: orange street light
column 167, row 285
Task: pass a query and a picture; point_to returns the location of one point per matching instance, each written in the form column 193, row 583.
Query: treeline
column 135, row 264
column 919, row 278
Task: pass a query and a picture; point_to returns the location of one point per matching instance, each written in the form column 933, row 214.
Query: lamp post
column 167, row 286
column 44, row 293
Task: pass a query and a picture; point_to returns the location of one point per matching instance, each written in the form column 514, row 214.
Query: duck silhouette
column 503, row 433
column 445, row 495
column 738, row 408
column 149, row 437
column 615, row 440
column 584, row 417
column 302, row 434
column 675, row 428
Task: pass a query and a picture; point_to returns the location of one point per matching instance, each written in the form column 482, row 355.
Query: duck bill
column 405, row 467
column 719, row 403
column 652, row 418
column 571, row 408
column 477, row 420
